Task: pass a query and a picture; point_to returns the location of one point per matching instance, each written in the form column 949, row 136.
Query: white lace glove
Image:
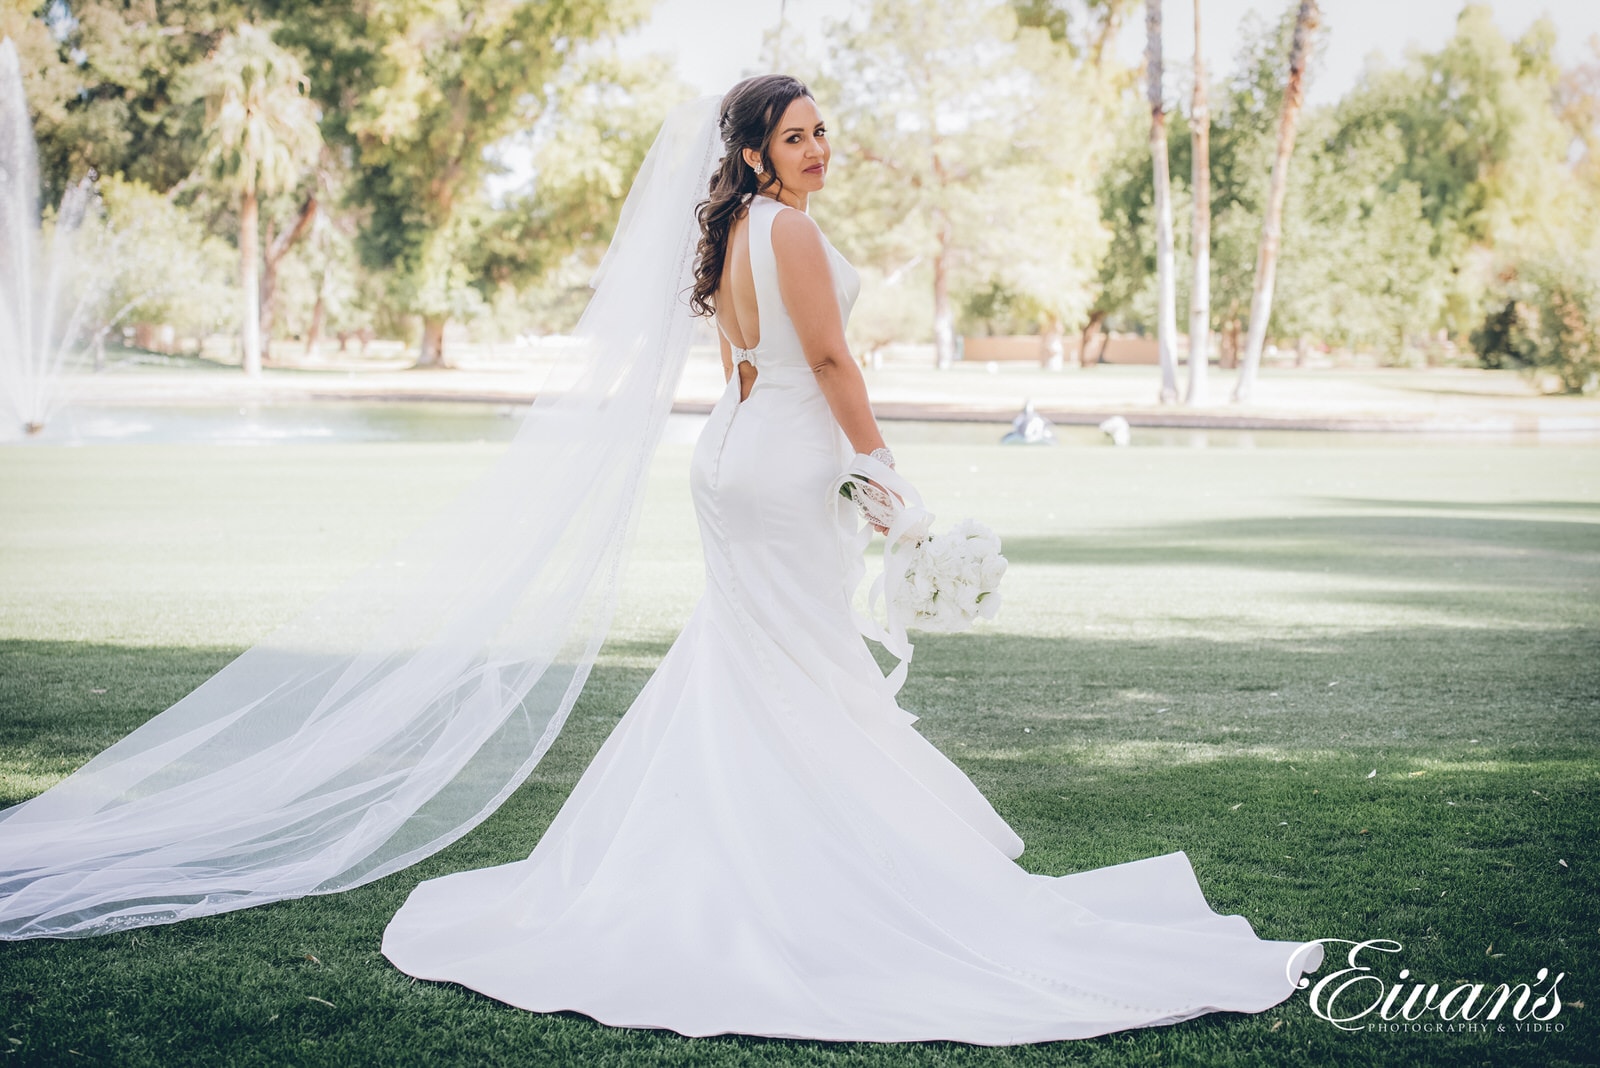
column 876, row 504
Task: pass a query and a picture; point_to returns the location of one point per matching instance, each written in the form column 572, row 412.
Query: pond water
column 373, row 421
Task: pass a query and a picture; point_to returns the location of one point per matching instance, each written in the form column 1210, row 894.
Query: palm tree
column 1166, row 302
column 261, row 137
column 1200, row 239
column 1272, row 222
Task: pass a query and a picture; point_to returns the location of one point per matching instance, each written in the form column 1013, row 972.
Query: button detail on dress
column 743, row 354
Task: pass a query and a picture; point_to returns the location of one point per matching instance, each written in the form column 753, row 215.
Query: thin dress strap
column 763, row 268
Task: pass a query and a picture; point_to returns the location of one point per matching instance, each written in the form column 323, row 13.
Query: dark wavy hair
column 751, row 112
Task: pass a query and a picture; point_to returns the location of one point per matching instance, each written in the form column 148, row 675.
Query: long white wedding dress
column 765, row 845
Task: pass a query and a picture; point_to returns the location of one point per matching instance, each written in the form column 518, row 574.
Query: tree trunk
column 1167, row 300
column 944, row 330
column 276, row 249
column 432, row 354
column 319, row 317
column 1272, row 223
column 1105, row 21
column 249, row 287
column 1088, row 352
column 1200, row 239
column 268, row 284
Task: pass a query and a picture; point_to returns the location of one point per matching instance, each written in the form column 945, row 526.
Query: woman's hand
column 878, row 504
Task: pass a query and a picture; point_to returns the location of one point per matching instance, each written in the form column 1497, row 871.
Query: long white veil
column 396, row 714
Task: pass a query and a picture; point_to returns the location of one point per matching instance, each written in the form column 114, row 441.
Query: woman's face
column 799, row 149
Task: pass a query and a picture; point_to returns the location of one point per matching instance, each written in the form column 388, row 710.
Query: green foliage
column 1399, row 195
column 601, row 115
column 999, row 309
column 894, row 308
column 1503, row 339
column 261, row 130
column 420, row 93
column 1356, row 268
column 1001, row 141
column 1243, row 139
column 1474, row 128
column 1086, row 28
column 104, row 83
column 1549, row 324
column 1471, row 120
column 422, row 90
column 965, row 140
column 162, row 265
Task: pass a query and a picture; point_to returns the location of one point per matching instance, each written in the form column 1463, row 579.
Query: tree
column 422, row 89
column 600, row 116
column 261, row 135
column 106, row 84
column 158, row 265
column 966, row 145
column 1550, row 323
column 1084, row 27
column 1200, row 240
column 1356, row 269
column 1479, row 131
column 276, row 246
column 1166, row 301
column 1272, row 221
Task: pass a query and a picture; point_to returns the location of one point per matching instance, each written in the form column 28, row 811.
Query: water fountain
column 42, row 305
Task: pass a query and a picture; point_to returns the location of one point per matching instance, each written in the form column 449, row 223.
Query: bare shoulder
column 796, row 237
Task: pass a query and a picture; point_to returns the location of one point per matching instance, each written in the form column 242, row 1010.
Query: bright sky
column 715, row 42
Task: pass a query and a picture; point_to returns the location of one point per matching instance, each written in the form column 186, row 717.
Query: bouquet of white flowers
column 945, row 582
column 935, row 582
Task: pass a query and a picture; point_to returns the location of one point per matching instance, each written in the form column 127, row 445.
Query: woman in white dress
column 764, row 844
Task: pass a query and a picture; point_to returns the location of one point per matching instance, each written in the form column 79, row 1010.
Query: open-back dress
column 766, row 845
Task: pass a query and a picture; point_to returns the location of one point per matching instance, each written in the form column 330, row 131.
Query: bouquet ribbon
column 909, row 524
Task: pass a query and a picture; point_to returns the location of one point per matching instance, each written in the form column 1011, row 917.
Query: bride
column 764, row 844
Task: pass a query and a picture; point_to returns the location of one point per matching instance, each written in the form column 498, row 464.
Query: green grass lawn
column 1359, row 687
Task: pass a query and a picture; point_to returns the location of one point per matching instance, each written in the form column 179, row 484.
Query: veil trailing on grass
column 392, row 717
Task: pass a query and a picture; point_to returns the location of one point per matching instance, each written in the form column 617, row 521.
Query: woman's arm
column 805, row 280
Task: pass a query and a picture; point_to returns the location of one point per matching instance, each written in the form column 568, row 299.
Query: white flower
column 949, row 580
column 990, row 570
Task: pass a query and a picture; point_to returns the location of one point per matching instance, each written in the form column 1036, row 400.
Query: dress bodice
column 779, row 344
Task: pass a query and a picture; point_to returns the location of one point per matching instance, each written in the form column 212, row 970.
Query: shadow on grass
column 1519, row 554
column 1505, row 686
column 63, row 702
column 1097, row 751
column 1445, row 865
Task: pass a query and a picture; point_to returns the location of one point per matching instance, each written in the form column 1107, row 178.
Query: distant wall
column 1018, row 347
column 1119, row 348
column 1131, row 348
